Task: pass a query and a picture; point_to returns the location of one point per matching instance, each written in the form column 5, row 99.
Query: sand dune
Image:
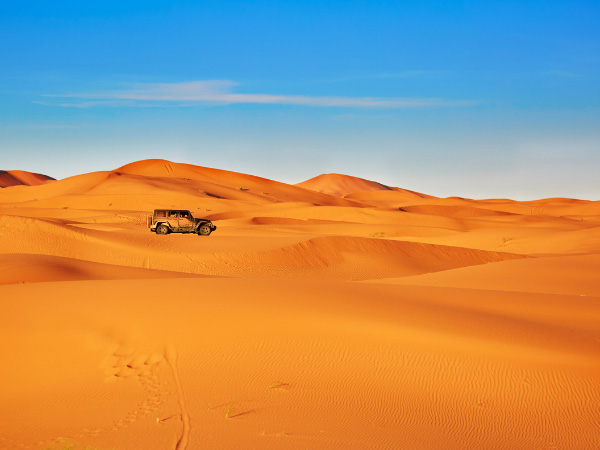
column 149, row 184
column 18, row 268
column 341, row 185
column 566, row 275
column 454, row 211
column 21, row 177
column 553, row 238
column 352, row 187
column 352, row 258
column 345, row 257
column 238, row 186
column 335, row 314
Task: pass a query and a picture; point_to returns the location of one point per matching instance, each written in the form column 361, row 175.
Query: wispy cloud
column 221, row 92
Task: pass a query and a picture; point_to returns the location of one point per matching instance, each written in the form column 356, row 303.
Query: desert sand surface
column 337, row 313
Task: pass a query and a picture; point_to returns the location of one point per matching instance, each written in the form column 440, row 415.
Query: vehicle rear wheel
column 162, row 229
column 204, row 230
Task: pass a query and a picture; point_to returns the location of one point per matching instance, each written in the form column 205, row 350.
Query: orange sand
column 334, row 314
column 20, row 177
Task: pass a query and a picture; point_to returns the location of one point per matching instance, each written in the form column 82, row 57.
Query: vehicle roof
column 172, row 209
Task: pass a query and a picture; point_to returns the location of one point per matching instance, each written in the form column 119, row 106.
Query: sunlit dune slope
column 344, row 185
column 159, row 183
column 389, row 199
column 259, row 188
column 21, row 177
column 276, row 364
column 341, row 185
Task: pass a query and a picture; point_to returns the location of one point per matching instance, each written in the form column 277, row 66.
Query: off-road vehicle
column 165, row 221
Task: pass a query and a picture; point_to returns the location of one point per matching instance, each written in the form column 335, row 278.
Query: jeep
column 165, row 221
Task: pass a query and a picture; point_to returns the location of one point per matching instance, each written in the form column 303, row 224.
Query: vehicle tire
column 204, row 230
column 162, row 229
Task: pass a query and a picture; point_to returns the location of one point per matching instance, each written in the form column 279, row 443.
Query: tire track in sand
column 171, row 358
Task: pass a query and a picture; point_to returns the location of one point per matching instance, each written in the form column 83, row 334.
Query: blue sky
column 470, row 98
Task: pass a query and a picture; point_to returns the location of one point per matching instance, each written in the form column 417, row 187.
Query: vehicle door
column 173, row 220
column 185, row 221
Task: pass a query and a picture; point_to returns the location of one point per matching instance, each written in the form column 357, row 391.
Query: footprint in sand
column 126, row 362
column 129, row 362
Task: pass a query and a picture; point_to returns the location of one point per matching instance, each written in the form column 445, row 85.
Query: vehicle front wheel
column 162, row 229
column 204, row 230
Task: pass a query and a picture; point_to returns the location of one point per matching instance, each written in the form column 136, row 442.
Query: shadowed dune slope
column 21, row 177
column 569, row 275
column 354, row 258
column 26, row 268
column 454, row 211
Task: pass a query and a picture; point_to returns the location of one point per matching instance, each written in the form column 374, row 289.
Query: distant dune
column 345, row 185
column 341, row 185
column 21, row 177
column 335, row 314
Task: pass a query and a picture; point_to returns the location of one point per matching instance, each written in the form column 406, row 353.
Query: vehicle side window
column 173, row 215
column 160, row 213
column 185, row 215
